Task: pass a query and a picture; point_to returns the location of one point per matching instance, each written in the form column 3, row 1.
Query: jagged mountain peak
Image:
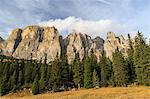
column 113, row 42
column 38, row 42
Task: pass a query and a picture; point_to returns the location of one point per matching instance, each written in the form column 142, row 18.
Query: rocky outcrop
column 39, row 43
column 82, row 44
column 1, row 43
column 13, row 41
column 42, row 43
column 112, row 43
column 8, row 46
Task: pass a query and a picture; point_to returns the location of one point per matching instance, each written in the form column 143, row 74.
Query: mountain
column 42, row 43
column 113, row 42
column 83, row 44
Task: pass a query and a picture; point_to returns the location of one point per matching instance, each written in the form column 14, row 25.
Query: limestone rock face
column 9, row 46
column 13, row 41
column 42, row 43
column 39, row 43
column 112, row 43
column 50, row 44
column 1, row 45
column 82, row 44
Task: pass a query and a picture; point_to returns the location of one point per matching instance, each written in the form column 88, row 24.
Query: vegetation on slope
column 59, row 75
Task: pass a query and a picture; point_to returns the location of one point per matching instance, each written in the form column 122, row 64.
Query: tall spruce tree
column 146, row 66
column 2, row 88
column 95, row 78
column 35, row 86
column 55, row 74
column 42, row 80
column 139, row 57
column 106, row 70
column 77, row 71
column 28, row 72
column 88, row 83
column 119, row 69
column 130, row 61
column 64, row 68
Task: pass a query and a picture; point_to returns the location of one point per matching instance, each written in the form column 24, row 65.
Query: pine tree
column 43, row 72
column 88, row 83
column 139, row 57
column 130, row 61
column 48, row 78
column 55, row 74
column 95, row 79
column 104, row 70
column 64, row 68
column 14, row 80
column 119, row 69
column 6, row 72
column 42, row 77
column 1, row 69
column 35, row 86
column 146, row 66
column 77, row 71
column 2, row 88
column 28, row 72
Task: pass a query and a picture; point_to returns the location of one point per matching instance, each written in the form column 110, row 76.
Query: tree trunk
column 79, row 86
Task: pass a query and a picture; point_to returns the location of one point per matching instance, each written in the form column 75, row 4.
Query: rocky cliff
column 45, row 42
column 83, row 44
column 113, row 42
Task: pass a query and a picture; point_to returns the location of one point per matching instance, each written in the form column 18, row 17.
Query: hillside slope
column 101, row 93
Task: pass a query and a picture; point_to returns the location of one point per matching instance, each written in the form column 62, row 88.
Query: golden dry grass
column 101, row 93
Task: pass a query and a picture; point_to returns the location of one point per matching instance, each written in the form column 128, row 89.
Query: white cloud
column 93, row 28
column 105, row 2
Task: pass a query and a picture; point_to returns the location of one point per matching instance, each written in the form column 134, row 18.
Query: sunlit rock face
column 83, row 44
column 39, row 43
column 42, row 43
column 9, row 46
column 113, row 43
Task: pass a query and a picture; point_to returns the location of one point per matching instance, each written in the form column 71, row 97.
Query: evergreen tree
column 48, row 78
column 146, row 66
column 2, row 88
column 55, row 74
column 28, row 72
column 77, row 71
column 14, row 80
column 35, row 86
column 43, row 72
column 42, row 77
column 64, row 68
column 104, row 70
column 95, row 79
column 139, row 57
column 6, row 73
column 119, row 69
column 130, row 61
column 88, row 83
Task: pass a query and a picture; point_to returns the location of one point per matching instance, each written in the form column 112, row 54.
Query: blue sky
column 94, row 16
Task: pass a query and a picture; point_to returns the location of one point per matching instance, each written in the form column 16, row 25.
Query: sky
column 93, row 17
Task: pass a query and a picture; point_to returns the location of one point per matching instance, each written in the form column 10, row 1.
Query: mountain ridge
column 38, row 43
